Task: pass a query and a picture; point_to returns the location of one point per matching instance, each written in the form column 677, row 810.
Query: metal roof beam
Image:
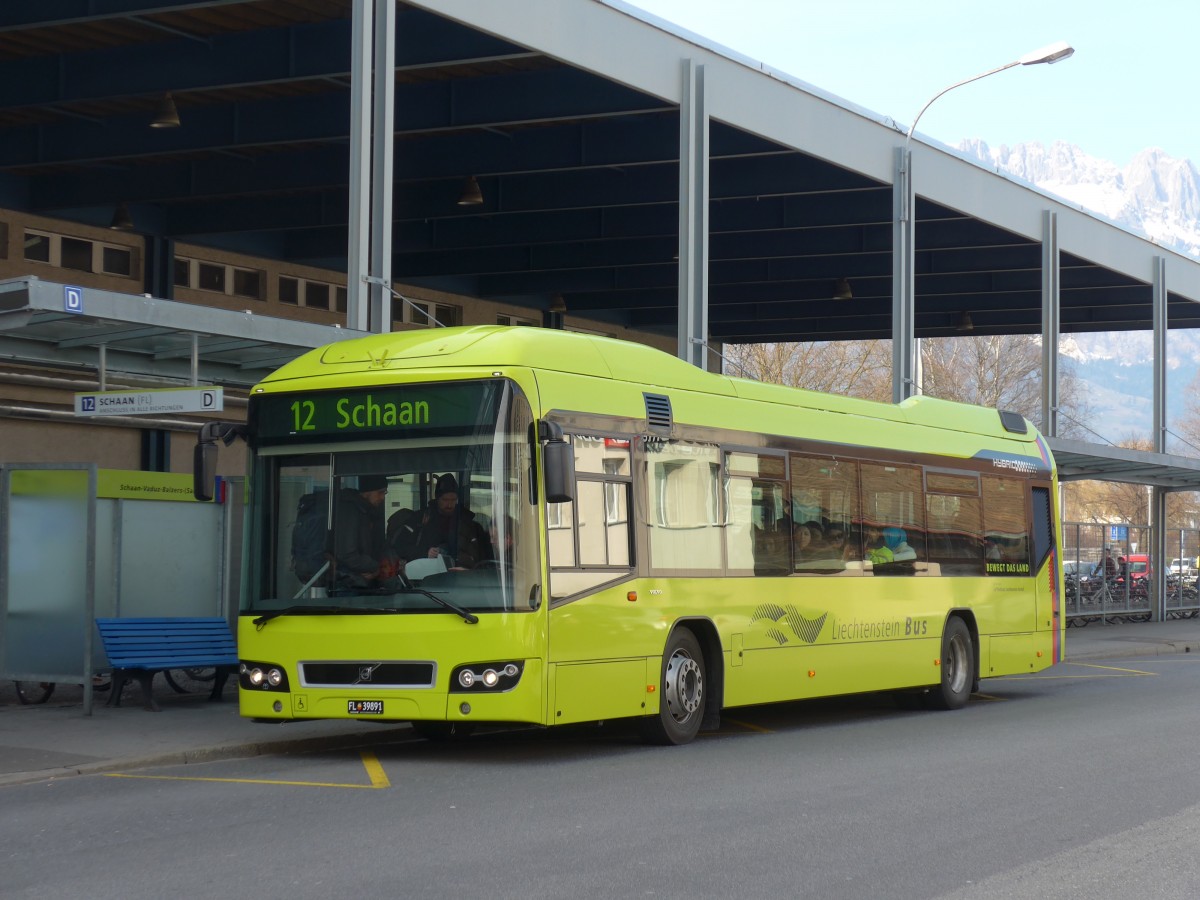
column 433, row 106
column 48, row 13
column 574, row 145
column 268, row 56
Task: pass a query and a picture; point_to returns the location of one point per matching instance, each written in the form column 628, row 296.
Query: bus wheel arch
column 686, row 684
column 959, row 666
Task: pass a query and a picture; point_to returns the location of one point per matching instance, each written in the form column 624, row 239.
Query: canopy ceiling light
column 471, row 194
column 166, row 116
column 841, row 290
column 965, row 323
column 121, row 220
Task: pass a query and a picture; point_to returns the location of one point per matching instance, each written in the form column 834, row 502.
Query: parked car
column 1183, row 566
column 1138, row 565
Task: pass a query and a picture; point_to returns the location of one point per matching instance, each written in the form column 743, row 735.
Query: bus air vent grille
column 658, row 411
column 368, row 674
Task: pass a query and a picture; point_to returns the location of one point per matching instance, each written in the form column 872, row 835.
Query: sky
column 1130, row 85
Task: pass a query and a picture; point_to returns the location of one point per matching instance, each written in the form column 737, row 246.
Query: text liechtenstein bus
column 649, row 540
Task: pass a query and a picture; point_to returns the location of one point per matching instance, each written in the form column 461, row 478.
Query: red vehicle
column 1138, row 566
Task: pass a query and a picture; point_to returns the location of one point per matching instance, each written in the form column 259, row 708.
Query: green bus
column 570, row 528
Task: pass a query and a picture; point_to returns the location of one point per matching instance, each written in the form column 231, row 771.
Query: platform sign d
column 72, row 299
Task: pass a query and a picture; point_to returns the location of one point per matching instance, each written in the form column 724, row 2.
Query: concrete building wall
column 37, row 401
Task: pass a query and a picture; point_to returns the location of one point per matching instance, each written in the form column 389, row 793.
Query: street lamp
column 903, row 226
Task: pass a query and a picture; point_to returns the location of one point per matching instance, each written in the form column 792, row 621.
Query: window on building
column 247, row 283
column 211, row 277
column 80, row 255
column 316, row 295
column 427, row 314
column 37, row 247
column 76, row 254
column 116, row 260
column 311, row 294
column 516, row 320
column 289, row 291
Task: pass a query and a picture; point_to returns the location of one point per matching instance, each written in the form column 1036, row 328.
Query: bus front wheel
column 958, row 667
column 681, row 697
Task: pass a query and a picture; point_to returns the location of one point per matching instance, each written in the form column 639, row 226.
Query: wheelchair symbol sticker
column 72, row 299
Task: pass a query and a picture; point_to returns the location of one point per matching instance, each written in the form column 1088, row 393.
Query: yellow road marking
column 988, row 697
column 748, row 727
column 1112, row 668
column 375, row 771
column 1117, row 672
column 379, row 779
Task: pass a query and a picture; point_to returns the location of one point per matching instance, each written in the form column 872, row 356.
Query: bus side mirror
column 558, row 467
column 204, row 470
column 204, row 457
column 558, row 464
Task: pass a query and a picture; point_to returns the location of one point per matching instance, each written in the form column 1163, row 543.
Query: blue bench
column 137, row 648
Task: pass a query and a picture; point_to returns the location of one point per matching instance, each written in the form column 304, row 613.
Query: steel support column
column 1158, row 495
column 1159, row 320
column 358, row 255
column 383, row 140
column 693, row 218
column 903, row 278
column 1051, row 322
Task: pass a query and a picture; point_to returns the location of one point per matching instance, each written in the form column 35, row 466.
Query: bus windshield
column 429, row 518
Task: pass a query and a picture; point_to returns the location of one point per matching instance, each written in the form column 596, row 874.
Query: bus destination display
column 383, row 410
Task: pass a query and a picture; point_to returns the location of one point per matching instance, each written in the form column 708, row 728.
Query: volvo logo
column 365, row 673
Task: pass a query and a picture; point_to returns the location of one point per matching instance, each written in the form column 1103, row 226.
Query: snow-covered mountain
column 1155, row 195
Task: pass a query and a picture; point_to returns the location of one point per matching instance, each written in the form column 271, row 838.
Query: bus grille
column 368, row 674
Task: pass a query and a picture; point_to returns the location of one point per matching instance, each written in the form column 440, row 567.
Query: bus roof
column 497, row 346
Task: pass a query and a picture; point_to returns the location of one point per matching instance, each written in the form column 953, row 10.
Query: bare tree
column 1001, row 372
column 852, row 368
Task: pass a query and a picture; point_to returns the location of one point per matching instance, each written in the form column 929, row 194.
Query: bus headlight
column 262, row 676
column 494, row 677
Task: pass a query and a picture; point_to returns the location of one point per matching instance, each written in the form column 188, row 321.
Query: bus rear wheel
column 958, row 667
column 681, row 697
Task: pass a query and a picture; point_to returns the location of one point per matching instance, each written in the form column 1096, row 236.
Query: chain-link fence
column 1107, row 573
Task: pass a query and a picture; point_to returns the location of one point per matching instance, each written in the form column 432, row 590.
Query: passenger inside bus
column 450, row 531
column 897, row 541
column 360, row 551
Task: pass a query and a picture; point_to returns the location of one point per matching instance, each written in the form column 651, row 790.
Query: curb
column 215, row 754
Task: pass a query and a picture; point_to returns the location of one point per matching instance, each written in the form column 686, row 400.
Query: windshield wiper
column 469, row 617
column 319, row 611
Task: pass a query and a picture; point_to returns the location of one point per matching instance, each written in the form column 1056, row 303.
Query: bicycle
column 32, row 693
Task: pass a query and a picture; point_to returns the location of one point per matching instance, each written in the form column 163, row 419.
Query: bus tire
column 681, row 692
column 957, row 667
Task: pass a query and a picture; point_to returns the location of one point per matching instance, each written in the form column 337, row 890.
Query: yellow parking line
column 379, row 779
column 1116, row 672
column 748, row 727
column 375, row 771
column 1112, row 668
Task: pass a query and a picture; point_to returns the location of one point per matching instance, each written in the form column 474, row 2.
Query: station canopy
column 566, row 115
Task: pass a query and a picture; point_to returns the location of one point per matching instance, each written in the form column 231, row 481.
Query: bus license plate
column 364, row 707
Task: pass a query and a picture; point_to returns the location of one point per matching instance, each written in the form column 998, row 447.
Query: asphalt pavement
column 56, row 739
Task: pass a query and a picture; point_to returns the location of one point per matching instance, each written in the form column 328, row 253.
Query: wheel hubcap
column 956, row 661
column 684, row 686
